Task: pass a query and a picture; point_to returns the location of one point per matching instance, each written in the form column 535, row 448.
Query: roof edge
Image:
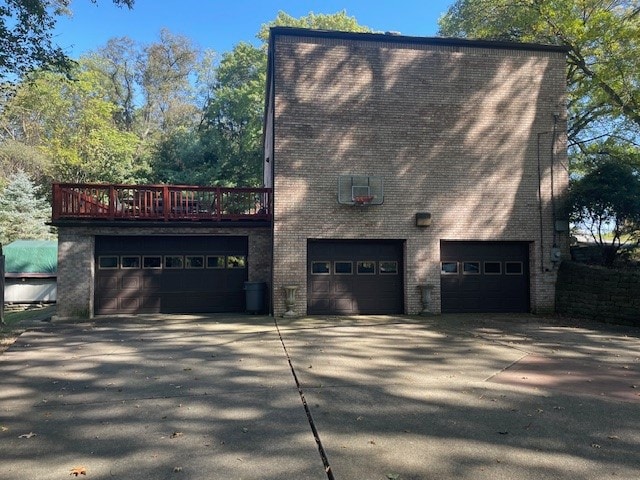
column 30, row 275
column 404, row 39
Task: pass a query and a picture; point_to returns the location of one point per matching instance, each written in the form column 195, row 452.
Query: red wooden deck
column 166, row 203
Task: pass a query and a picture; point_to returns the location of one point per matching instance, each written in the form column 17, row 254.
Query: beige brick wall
column 455, row 131
column 76, row 259
column 75, row 274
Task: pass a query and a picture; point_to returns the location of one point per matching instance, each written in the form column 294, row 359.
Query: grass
column 15, row 321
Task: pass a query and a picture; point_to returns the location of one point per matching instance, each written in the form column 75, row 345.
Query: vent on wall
column 360, row 190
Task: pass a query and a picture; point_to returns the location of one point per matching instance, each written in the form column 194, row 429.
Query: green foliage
column 180, row 159
column 72, row 123
column 232, row 126
column 163, row 71
column 154, row 96
column 26, row 41
column 337, row 21
column 23, row 212
column 16, row 156
column 606, row 201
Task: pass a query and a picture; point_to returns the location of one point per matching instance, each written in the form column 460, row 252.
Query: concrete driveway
column 239, row 397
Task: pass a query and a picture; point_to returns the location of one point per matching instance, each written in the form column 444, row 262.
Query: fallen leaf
column 176, row 434
column 27, row 435
column 78, row 471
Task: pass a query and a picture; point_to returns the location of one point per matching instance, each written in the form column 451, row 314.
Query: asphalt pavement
column 371, row 397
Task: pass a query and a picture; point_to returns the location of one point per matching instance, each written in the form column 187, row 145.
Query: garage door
column 169, row 274
column 484, row 276
column 349, row 278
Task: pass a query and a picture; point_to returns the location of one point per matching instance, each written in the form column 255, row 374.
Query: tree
column 606, row 201
column 603, row 42
column 164, row 68
column 180, row 158
column 232, row 126
column 334, row 21
column 16, row 156
column 152, row 86
column 71, row 122
column 26, row 41
column 118, row 61
column 23, row 212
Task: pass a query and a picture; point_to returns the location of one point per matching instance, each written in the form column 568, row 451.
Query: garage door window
column 236, row 261
column 471, row 268
column 194, row 261
column 320, row 268
column 366, row 268
column 173, row 262
column 215, row 261
column 152, row 262
column 343, row 268
column 388, row 268
column 130, row 262
column 513, row 268
column 108, row 262
column 492, row 268
column 449, row 268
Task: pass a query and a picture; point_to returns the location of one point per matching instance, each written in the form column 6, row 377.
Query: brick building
column 401, row 175
column 401, row 165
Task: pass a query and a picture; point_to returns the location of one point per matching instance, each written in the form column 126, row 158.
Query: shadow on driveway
column 193, row 397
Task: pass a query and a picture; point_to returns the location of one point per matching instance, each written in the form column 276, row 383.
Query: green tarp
column 31, row 256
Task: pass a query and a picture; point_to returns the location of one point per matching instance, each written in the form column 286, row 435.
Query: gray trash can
column 255, row 297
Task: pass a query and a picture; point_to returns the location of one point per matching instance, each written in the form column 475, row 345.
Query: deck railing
column 159, row 202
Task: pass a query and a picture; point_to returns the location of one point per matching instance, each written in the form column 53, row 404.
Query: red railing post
column 166, row 201
column 218, row 203
column 112, row 202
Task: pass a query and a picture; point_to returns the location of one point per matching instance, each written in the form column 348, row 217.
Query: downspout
column 540, row 204
column 554, row 135
column 553, row 196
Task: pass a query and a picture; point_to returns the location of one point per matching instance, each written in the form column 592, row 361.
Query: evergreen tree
column 23, row 212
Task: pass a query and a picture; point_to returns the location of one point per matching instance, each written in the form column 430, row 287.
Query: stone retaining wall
column 597, row 293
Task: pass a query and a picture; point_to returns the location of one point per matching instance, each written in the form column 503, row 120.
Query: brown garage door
column 354, row 277
column 484, row 276
column 169, row 274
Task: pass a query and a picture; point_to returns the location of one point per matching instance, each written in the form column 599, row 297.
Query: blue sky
column 221, row 24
